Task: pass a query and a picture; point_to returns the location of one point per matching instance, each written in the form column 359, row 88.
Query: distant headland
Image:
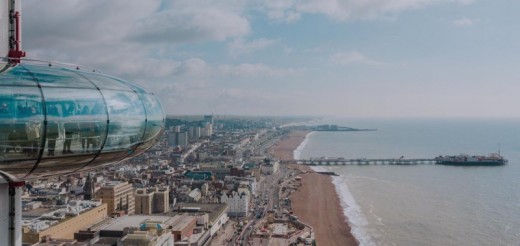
column 336, row 128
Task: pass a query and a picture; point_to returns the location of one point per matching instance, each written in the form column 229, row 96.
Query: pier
column 364, row 161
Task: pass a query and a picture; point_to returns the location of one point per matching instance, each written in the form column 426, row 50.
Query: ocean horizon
column 425, row 204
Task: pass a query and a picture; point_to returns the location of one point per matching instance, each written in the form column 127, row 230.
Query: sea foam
column 352, row 211
column 298, row 151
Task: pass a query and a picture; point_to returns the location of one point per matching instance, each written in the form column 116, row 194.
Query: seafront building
column 238, row 203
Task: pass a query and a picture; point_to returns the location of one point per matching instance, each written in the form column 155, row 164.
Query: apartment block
column 119, row 197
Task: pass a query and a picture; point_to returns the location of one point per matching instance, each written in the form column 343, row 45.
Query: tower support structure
column 10, row 210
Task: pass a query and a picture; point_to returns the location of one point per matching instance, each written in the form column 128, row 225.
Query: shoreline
column 324, row 211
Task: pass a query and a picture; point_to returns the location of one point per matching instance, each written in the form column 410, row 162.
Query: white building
column 238, row 203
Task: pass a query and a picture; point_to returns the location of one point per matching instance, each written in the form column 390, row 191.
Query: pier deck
column 363, row 161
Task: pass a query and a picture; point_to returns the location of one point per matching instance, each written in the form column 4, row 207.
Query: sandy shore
column 316, row 202
column 283, row 150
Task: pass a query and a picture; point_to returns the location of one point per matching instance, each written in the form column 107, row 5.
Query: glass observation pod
column 56, row 120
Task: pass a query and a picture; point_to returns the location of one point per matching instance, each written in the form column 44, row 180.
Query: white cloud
column 352, row 57
column 280, row 10
column 193, row 67
column 132, row 39
column 188, row 25
column 239, row 47
column 152, row 43
column 249, row 70
column 283, row 15
column 465, row 22
column 57, row 24
column 291, row 10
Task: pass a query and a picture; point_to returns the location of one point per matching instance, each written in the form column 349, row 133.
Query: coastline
column 316, row 202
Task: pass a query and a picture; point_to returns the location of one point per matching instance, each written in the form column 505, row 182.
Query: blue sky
column 356, row 58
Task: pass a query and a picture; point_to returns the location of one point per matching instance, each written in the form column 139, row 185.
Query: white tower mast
column 10, row 33
column 10, row 188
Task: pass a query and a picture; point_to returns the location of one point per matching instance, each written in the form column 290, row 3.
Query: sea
column 425, row 204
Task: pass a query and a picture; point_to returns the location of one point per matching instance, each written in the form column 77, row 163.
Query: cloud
column 132, row 39
column 249, row 70
column 55, row 23
column 465, row 22
column 291, row 10
column 193, row 67
column 280, row 10
column 77, row 23
column 240, row 47
column 260, row 101
column 180, row 25
column 352, row 57
column 178, row 49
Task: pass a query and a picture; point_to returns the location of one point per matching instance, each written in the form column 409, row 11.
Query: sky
column 355, row 58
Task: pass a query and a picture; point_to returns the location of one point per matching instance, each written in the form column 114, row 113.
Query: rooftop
column 214, row 210
column 119, row 224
